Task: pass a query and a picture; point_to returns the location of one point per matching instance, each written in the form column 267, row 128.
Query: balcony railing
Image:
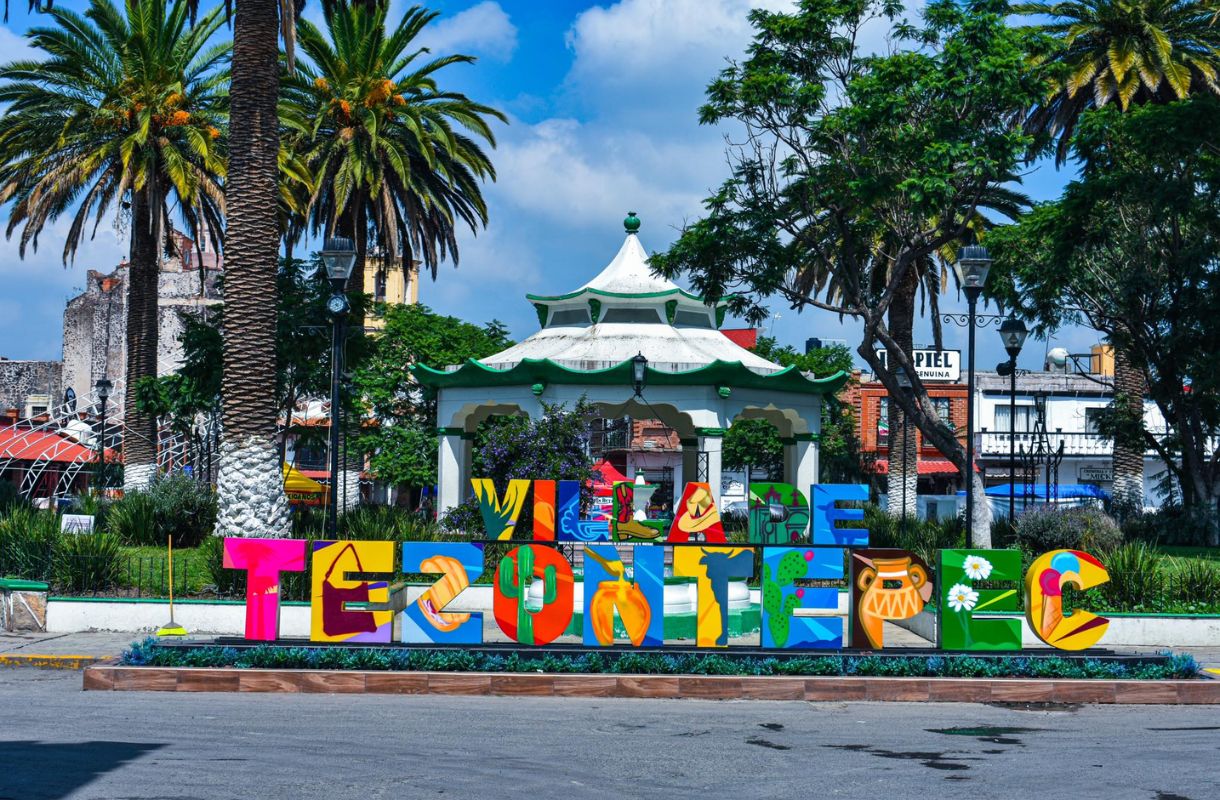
column 1074, row 443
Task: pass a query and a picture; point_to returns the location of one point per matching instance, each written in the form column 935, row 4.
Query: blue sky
column 602, row 100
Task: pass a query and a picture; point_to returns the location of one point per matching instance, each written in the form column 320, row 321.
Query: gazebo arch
column 697, row 381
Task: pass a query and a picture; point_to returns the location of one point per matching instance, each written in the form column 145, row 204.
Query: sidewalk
column 78, row 650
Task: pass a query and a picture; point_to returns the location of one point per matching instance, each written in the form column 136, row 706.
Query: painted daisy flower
column 977, row 568
column 962, row 597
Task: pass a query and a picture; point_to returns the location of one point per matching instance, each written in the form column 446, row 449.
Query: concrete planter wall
column 23, row 606
column 1126, row 630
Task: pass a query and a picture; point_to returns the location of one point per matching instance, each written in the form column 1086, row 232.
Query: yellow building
column 391, row 284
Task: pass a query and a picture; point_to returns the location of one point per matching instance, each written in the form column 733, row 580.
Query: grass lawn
column 146, row 568
column 1201, row 553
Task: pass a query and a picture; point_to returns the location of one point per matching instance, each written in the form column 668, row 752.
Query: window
column 1092, row 419
column 692, row 319
column 570, row 316
column 944, row 410
column 1024, row 419
column 379, row 285
column 883, row 421
column 630, row 315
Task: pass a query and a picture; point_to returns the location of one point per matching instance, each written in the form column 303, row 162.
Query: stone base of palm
column 137, row 477
column 250, row 491
column 349, row 489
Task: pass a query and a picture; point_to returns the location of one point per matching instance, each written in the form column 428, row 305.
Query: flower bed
column 150, row 653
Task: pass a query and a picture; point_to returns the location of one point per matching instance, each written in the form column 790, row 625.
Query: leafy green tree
column 1136, row 53
column 857, row 169
column 403, row 444
column 1131, row 249
column 756, row 443
column 125, row 111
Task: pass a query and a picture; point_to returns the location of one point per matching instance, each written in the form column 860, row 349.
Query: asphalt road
column 59, row 742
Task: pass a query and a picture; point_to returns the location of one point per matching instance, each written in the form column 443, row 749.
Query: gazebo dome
column 697, row 381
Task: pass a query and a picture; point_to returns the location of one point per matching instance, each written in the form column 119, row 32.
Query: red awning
column 24, row 444
column 927, row 466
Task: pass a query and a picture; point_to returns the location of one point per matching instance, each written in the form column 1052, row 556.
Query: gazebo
column 695, row 380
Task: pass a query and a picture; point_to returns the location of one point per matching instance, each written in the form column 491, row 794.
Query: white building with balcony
column 1073, row 404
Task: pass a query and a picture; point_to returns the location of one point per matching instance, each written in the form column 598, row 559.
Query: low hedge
column 151, row 654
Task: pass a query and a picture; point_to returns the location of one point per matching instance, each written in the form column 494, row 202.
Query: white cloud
column 484, row 29
column 13, row 46
column 647, row 45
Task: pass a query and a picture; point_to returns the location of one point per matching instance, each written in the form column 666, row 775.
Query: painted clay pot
column 880, row 602
column 633, row 610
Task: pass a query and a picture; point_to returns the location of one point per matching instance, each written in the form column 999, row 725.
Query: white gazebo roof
column 593, row 332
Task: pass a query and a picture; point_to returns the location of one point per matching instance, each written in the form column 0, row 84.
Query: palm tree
column 125, row 112
column 397, row 161
column 1129, row 51
column 1133, row 52
column 249, row 488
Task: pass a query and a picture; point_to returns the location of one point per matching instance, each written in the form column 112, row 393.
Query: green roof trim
column 543, row 312
column 551, row 298
column 531, row 371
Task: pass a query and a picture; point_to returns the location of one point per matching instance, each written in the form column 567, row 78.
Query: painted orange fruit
column 444, row 590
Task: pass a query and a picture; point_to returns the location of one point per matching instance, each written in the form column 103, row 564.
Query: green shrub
column 465, row 518
column 88, row 562
column 1171, row 525
column 173, row 505
column 1045, row 528
column 1193, row 580
column 1136, row 581
column 228, row 582
column 29, row 539
column 10, row 497
column 919, row 536
column 134, row 520
column 371, row 522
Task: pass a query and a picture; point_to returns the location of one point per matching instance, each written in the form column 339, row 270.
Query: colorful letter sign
column 263, row 560
column 1044, row 584
column 782, row 596
column 330, row 618
column 457, row 565
column 639, row 603
column 885, row 585
column 516, row 573
column 960, row 598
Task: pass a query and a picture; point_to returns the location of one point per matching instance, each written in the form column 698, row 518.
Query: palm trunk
column 250, row 486
column 139, row 427
column 904, row 437
column 1128, row 458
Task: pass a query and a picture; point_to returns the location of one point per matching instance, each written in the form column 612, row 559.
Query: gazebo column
column 801, row 460
column 452, row 467
column 710, row 443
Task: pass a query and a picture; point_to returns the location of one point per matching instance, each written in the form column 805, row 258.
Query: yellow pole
column 171, row 628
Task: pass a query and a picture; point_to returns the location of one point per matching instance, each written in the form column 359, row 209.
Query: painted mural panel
column 572, row 528
column 886, row 584
column 500, row 514
column 639, row 603
column 713, row 568
column 1045, row 581
column 697, row 518
column 263, row 560
column 456, row 565
column 827, row 515
column 779, row 514
column 510, row 598
column 630, row 513
column 781, row 597
column 544, row 511
column 961, row 572
column 330, row 619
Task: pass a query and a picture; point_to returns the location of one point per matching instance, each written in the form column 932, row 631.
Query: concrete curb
column 111, row 677
column 47, row 661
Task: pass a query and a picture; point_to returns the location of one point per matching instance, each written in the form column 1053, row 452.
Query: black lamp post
column 1012, row 333
column 639, row 368
column 339, row 255
column 973, row 264
column 102, row 387
column 904, row 385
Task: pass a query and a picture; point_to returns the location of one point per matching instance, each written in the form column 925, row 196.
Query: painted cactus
column 779, row 608
column 515, row 585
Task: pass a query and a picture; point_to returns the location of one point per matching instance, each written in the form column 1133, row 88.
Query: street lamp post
column 973, row 264
column 904, row 386
column 1012, row 333
column 639, row 370
column 339, row 255
column 102, row 387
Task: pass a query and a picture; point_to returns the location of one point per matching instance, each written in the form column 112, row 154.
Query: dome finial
column 632, row 223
